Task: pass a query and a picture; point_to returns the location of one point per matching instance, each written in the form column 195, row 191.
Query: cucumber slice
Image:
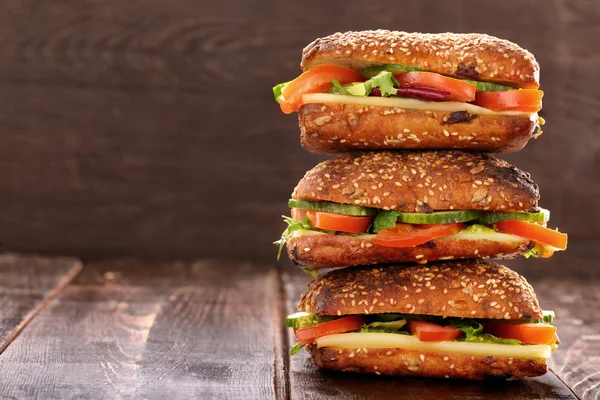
column 393, row 68
column 492, row 218
column 388, row 219
column 336, row 208
column 489, row 87
column 305, row 320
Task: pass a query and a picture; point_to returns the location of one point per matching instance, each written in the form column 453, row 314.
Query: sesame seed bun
column 464, row 289
column 412, row 363
column 420, row 182
column 467, row 56
column 336, row 128
column 335, row 251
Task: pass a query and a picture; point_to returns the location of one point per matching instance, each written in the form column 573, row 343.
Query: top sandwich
column 383, row 207
column 384, row 90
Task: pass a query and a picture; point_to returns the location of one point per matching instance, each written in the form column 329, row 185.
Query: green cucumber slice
column 370, row 72
column 492, row 218
column 301, row 320
column 388, row 219
column 489, row 86
column 336, row 208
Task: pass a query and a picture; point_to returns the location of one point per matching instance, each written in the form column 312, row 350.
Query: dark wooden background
column 147, row 128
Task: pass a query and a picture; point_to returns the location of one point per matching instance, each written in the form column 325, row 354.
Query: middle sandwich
column 384, row 207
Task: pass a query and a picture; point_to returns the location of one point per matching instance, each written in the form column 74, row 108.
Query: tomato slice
column 316, row 80
column 534, row 232
column 333, row 222
column 459, row 90
column 410, row 235
column 527, row 100
column 430, row 332
column 345, row 324
column 529, row 333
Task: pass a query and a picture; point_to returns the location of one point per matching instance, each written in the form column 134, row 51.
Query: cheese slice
column 372, row 340
column 491, row 236
column 410, row 104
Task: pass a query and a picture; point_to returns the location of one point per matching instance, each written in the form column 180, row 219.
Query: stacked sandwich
column 415, row 206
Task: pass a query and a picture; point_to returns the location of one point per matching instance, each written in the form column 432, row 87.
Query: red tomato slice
column 459, row 90
column 409, row 235
column 333, row 222
column 527, row 333
column 527, row 100
column 345, row 324
column 534, row 232
column 316, row 80
column 430, row 332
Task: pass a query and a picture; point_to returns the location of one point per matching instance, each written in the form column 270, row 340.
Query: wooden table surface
column 212, row 329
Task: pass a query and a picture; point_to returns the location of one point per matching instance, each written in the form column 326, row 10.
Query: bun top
column 464, row 289
column 468, row 56
column 425, row 181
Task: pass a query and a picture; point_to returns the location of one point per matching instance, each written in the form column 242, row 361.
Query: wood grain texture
column 577, row 306
column 306, row 381
column 124, row 124
column 130, row 329
column 27, row 284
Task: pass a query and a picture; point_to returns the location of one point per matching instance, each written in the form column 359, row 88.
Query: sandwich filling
column 392, row 228
column 528, row 338
column 407, row 87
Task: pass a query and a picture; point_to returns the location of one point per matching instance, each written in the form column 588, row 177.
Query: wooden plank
column 27, row 284
column 577, row 307
column 131, row 105
column 154, row 330
column 306, row 381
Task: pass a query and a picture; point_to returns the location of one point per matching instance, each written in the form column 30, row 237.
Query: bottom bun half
column 335, row 128
column 333, row 251
column 412, row 363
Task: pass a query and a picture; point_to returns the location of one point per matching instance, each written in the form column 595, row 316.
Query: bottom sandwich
column 470, row 319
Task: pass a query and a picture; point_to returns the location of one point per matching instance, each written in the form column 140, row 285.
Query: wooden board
column 153, row 330
column 306, row 381
column 124, row 123
column 577, row 306
column 27, row 284
column 213, row 329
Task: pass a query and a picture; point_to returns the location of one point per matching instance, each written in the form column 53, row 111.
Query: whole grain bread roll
column 465, row 289
column 412, row 363
column 467, row 56
column 425, row 181
column 336, row 128
column 320, row 250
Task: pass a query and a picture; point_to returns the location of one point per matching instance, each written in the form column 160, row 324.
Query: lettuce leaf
column 293, row 225
column 385, row 220
column 277, row 90
column 385, row 81
column 296, row 348
column 474, row 333
column 390, row 326
column 392, row 68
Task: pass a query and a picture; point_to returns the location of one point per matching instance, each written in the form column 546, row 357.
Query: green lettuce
column 277, row 90
column 474, row 333
column 387, row 327
column 385, row 220
column 392, row 68
column 296, row 348
column 293, row 225
column 311, row 271
column 385, row 81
